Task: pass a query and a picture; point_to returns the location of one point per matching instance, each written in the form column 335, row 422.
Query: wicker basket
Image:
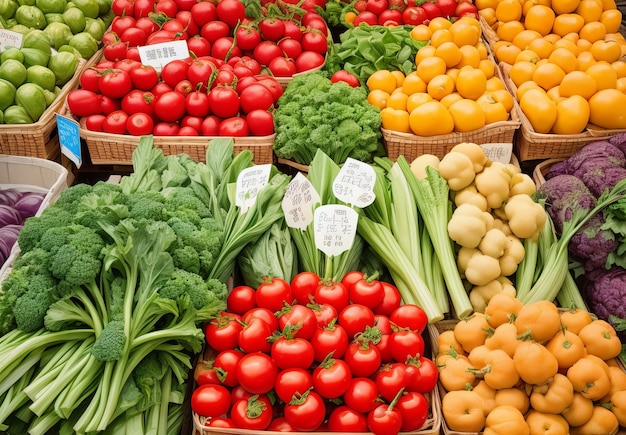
column 432, row 425
column 117, row 149
column 37, row 139
column 542, row 169
column 530, row 145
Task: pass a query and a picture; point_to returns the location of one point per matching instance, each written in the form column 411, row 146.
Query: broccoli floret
column 217, row 288
column 69, row 198
column 185, row 197
column 30, row 308
column 109, row 345
column 186, row 258
column 186, row 284
column 148, row 208
column 79, row 260
column 148, row 374
column 35, row 227
column 206, row 241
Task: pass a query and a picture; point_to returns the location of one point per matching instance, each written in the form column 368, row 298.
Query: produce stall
column 315, row 217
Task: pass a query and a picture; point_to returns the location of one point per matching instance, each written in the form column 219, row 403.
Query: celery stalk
column 432, row 196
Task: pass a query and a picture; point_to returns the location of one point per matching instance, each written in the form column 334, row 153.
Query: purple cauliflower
column 592, row 245
column 599, row 179
column 619, row 140
column 605, row 293
column 591, row 155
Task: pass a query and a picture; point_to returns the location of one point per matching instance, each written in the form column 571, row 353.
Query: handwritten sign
column 355, row 183
column 298, row 202
column 9, row 38
column 69, row 138
column 250, row 181
column 498, row 152
column 159, row 55
column 335, row 226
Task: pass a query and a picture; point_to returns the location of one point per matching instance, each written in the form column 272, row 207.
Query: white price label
column 355, row 183
column 250, row 181
column 159, row 55
column 498, row 152
column 8, row 38
column 334, row 228
column 298, row 202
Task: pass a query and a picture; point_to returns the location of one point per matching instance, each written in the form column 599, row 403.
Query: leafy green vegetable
column 314, row 113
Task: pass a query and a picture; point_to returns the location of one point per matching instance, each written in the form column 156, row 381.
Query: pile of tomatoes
column 342, row 357
column 411, row 12
column 228, row 85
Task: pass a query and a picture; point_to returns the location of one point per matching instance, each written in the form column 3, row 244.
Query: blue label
column 69, row 138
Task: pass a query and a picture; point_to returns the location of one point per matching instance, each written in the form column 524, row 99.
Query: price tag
column 355, row 183
column 250, row 181
column 334, row 228
column 498, row 152
column 69, row 138
column 159, row 55
column 298, row 202
column 9, row 38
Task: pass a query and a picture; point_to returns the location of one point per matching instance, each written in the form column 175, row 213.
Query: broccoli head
column 31, row 307
column 109, row 345
column 184, row 284
column 35, row 227
column 185, row 197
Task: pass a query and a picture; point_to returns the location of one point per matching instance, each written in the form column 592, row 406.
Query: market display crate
column 31, row 174
column 411, row 146
column 541, row 169
column 530, row 145
column 39, row 139
column 117, row 149
column 432, row 425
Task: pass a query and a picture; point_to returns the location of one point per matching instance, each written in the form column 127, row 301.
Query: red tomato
column 397, row 4
column 254, row 336
column 144, row 77
column 223, row 47
column 324, row 313
column 123, row 7
column 360, row 5
column 266, row 51
column 226, row 363
column 345, row 419
column 170, row 106
column 257, row 372
column 122, row 22
column 260, row 122
column 292, row 352
column 314, row 40
column 361, row 395
column 127, row 65
column 344, row 76
column 225, row 77
column 431, row 9
column 199, row 73
column 174, row 72
column 220, row 422
column 142, row 8
column 210, row 125
column 366, row 17
column 363, row 358
column 298, row 317
column 405, row 344
column 307, row 414
column 309, row 60
column 294, row 380
column 134, row 37
column 390, row 379
column 410, row 316
column 194, row 122
column 186, row 130
column 332, row 378
column 466, row 8
column 255, row 96
column 247, row 37
column 254, row 413
column 390, row 17
column 83, row 102
column 313, row 20
column 139, row 124
column 384, row 420
column 108, row 104
column 330, row 339
column 355, row 318
column 272, row 84
column 241, row 299
column 367, row 292
column 282, row 67
column 197, row 104
column 115, row 122
column 167, row 7
column 291, row 47
column 205, row 374
column 213, row 30
column 222, row 332
column 292, row 30
column 199, row 45
column 115, row 51
column 391, row 300
column 224, row 101
column 138, row 101
column 272, row 29
column 273, row 293
column 383, row 324
column 423, row 375
column 161, row 88
column 165, row 129
column 385, row 349
column 447, row 7
column 333, row 293
column 414, row 15
column 231, row 12
column 89, row 79
column 203, row 12
column 280, row 424
column 303, row 286
column 147, row 24
column 238, row 393
column 94, row 122
column 262, row 313
column 414, row 410
column 185, row 16
column 377, row 6
column 210, row 400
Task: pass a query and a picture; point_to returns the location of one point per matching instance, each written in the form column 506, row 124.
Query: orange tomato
column 564, row 58
column 378, row 98
column 548, row 75
column 503, row 96
column 578, row 83
column 494, row 83
column 349, row 17
column 567, row 23
column 449, row 99
column 431, row 119
column 489, row 15
column 486, row 4
column 527, row 55
column 590, row 10
column 593, row 31
column 572, row 115
column 509, row 10
column 439, row 23
column 488, row 67
column 621, row 84
column 494, row 110
column 607, row 109
column 468, row 115
column 450, row 53
column 539, row 18
column 555, row 93
column 440, row 86
column 431, row 67
column 465, row 31
column 585, row 60
column 523, row 38
column 522, row 71
column 424, row 52
column 469, row 56
column 542, row 46
column 413, row 83
column 607, row 51
column 397, row 100
column 506, row 31
column 507, row 52
column 471, row 82
column 395, row 119
column 382, row 80
column 619, row 66
column 612, row 20
column 525, row 87
column 483, row 51
column 440, row 36
column 564, row 6
column 539, row 109
column 417, row 99
column 399, row 75
column 604, row 76
column 421, row 32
